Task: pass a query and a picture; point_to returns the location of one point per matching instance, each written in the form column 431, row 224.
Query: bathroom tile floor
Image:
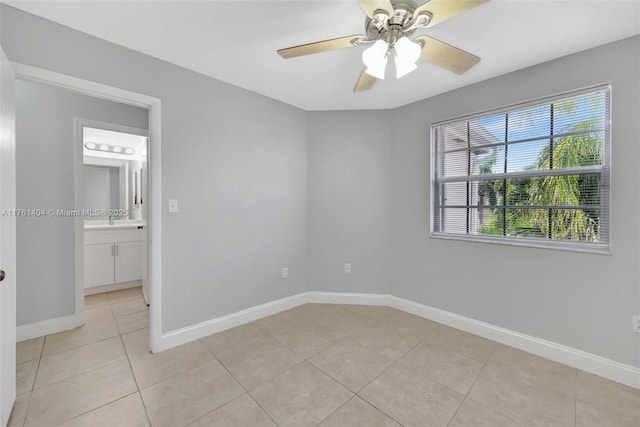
column 314, row 365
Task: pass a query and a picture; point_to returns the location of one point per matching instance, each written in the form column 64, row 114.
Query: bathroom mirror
column 105, row 188
column 113, row 175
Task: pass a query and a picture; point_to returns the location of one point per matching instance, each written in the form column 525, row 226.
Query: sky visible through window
column 553, row 165
column 535, row 123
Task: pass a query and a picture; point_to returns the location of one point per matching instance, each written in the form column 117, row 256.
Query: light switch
column 173, row 206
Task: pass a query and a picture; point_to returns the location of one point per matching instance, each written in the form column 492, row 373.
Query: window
column 536, row 174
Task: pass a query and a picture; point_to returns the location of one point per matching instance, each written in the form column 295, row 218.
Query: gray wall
column 349, row 200
column 581, row 300
column 44, row 179
column 236, row 162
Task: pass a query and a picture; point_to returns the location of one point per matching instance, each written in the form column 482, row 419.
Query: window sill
column 592, row 248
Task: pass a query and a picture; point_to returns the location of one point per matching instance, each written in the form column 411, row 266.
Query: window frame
column 604, row 248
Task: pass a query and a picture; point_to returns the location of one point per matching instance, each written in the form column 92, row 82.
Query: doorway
column 152, row 245
column 113, row 181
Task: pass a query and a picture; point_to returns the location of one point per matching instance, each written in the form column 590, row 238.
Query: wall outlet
column 173, row 206
column 285, row 272
column 636, row 324
column 347, row 268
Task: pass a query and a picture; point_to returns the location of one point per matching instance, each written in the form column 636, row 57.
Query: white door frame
column 7, row 242
column 98, row 90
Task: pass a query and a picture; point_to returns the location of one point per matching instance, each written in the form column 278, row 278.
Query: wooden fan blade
column 441, row 10
column 370, row 7
column 445, row 55
column 365, row 82
column 321, row 46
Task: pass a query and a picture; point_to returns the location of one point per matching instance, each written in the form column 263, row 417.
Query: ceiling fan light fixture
column 404, row 68
column 407, row 54
column 375, row 59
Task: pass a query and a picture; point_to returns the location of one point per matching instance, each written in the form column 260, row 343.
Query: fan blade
column 370, row 7
column 446, row 56
column 365, row 82
column 322, row 46
column 441, row 10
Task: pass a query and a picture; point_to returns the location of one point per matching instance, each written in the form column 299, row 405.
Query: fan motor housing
column 391, row 28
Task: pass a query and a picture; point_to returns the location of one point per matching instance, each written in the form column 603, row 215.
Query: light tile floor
column 314, row 365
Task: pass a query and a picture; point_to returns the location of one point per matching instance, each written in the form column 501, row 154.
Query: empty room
column 320, row 213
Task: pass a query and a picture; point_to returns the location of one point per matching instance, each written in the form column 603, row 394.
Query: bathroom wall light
column 106, row 148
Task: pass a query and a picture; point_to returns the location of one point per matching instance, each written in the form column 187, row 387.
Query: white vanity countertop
column 117, row 225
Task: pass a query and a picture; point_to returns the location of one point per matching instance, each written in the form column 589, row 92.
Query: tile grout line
column 128, row 361
column 82, row 345
column 26, row 412
column 248, row 393
column 484, row 365
column 337, row 409
column 97, row 407
column 279, row 375
column 242, row 386
column 377, row 376
column 336, row 379
column 72, row 376
column 333, row 342
column 466, row 395
column 424, row 340
column 144, row 406
column 171, row 376
column 575, row 401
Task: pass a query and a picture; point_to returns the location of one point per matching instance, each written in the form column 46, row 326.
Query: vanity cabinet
column 112, row 257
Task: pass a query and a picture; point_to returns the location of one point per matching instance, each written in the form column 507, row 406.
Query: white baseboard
column 46, row 327
column 601, row 366
column 597, row 365
column 109, row 288
column 191, row 333
column 347, row 298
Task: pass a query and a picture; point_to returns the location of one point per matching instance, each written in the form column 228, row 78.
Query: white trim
column 96, row 124
column 598, row 365
column 547, row 99
column 46, row 327
column 154, row 222
column 601, row 366
column 213, row 326
column 114, row 287
column 347, row 298
column 98, row 90
column 85, row 87
column 437, row 163
column 558, row 245
column 78, row 226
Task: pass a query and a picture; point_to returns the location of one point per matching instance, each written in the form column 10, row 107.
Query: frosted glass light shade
column 404, row 68
column 375, row 59
column 407, row 53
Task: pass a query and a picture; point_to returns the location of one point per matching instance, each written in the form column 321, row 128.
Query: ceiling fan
column 388, row 26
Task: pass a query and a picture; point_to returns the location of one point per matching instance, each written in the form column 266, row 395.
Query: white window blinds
column 536, row 174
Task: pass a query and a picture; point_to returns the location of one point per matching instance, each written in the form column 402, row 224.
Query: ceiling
column 236, row 41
